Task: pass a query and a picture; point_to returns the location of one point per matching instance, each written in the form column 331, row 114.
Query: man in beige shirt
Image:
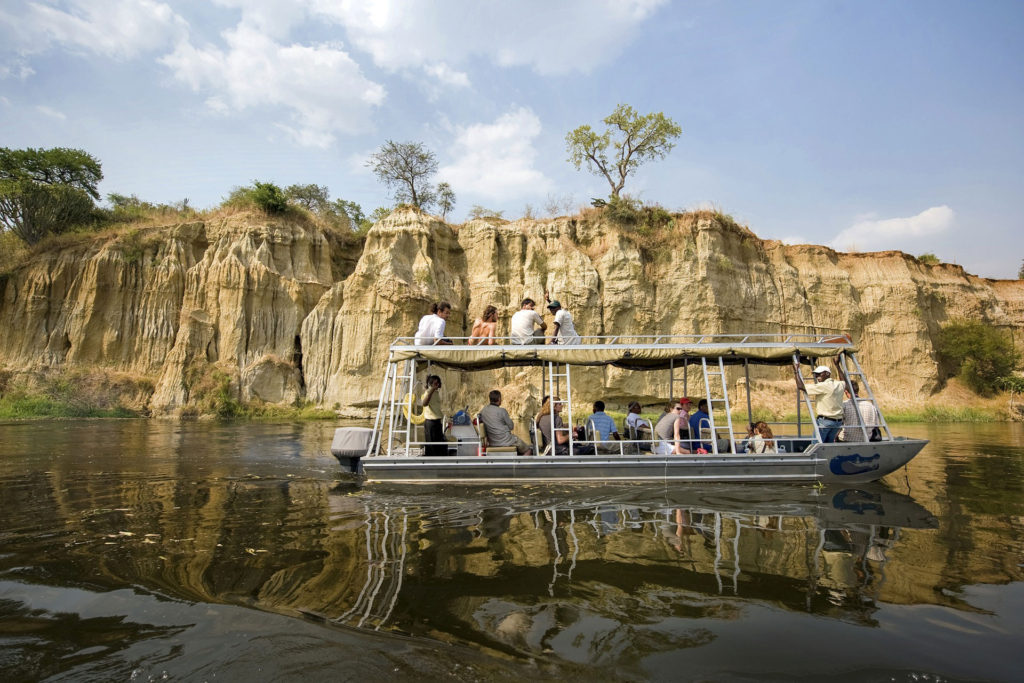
column 436, row 444
column 828, row 400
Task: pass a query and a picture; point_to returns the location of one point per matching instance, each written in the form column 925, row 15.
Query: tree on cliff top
column 45, row 191
column 406, row 167
column 636, row 140
column 445, row 199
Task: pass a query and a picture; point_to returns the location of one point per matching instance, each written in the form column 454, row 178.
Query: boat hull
column 839, row 462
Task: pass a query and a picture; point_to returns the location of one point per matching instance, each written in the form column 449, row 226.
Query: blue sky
column 861, row 125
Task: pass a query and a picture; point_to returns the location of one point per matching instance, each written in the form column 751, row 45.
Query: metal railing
column 830, row 338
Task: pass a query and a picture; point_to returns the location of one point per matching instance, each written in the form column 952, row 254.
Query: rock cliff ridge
column 283, row 311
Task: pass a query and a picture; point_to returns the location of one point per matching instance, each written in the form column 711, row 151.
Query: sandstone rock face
column 288, row 312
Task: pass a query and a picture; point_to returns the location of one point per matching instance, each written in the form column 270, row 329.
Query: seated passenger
column 603, row 427
column 668, row 431
column 431, row 328
column 858, row 413
column 549, row 422
column 498, row 425
column 760, row 439
column 484, row 327
column 523, row 328
column 637, row 427
column 700, row 420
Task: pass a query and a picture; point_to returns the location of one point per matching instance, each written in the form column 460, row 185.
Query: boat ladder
column 845, row 360
column 399, row 383
column 555, row 374
column 717, row 392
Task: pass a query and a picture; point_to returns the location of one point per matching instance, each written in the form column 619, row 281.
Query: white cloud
column 270, row 17
column 17, row 68
column 114, row 28
column 446, row 75
column 495, row 160
column 52, row 113
column 870, row 233
column 549, row 37
column 320, row 85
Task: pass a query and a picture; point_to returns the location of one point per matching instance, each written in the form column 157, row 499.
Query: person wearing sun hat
column 828, row 400
column 564, row 332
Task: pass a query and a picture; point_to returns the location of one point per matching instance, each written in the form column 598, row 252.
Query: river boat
column 393, row 449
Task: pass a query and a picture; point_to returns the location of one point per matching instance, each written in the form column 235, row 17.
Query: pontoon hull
column 841, row 463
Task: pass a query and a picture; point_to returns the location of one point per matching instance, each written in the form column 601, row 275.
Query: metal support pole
column 671, row 379
column 746, row 373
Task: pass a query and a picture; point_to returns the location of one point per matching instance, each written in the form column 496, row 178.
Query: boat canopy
column 630, row 352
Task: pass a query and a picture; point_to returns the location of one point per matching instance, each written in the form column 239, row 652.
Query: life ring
column 407, row 410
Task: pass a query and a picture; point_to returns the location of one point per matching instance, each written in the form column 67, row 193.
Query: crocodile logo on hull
column 858, row 501
column 855, row 463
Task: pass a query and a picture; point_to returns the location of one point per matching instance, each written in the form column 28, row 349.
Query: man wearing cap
column 563, row 332
column 523, row 324
column 828, row 400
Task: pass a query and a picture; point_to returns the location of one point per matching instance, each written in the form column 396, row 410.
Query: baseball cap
column 820, row 369
column 554, row 304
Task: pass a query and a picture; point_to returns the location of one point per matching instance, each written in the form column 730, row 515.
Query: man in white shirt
column 521, row 329
column 564, row 332
column 828, row 400
column 431, row 327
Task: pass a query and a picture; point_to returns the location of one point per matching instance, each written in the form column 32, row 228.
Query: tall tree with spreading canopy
column 629, row 140
column 45, row 191
column 406, row 168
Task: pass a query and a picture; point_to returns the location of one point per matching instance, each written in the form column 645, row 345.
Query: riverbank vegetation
column 982, row 356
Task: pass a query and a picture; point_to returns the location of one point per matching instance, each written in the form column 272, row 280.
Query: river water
column 146, row 550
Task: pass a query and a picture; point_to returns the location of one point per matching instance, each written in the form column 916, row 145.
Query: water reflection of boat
column 394, row 449
column 806, row 548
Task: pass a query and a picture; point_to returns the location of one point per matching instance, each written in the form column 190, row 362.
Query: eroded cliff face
column 284, row 311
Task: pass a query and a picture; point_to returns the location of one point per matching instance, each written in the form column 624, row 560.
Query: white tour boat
column 392, row 450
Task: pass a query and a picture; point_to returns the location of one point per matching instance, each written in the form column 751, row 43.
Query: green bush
column 266, row 197
column 631, row 212
column 978, row 353
column 929, row 259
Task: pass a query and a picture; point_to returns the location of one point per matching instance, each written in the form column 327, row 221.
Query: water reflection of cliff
column 539, row 576
column 586, row 573
column 581, row 572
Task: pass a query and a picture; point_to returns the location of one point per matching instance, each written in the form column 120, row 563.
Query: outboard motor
column 349, row 445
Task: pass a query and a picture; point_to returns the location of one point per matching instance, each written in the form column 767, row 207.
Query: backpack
column 461, row 418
